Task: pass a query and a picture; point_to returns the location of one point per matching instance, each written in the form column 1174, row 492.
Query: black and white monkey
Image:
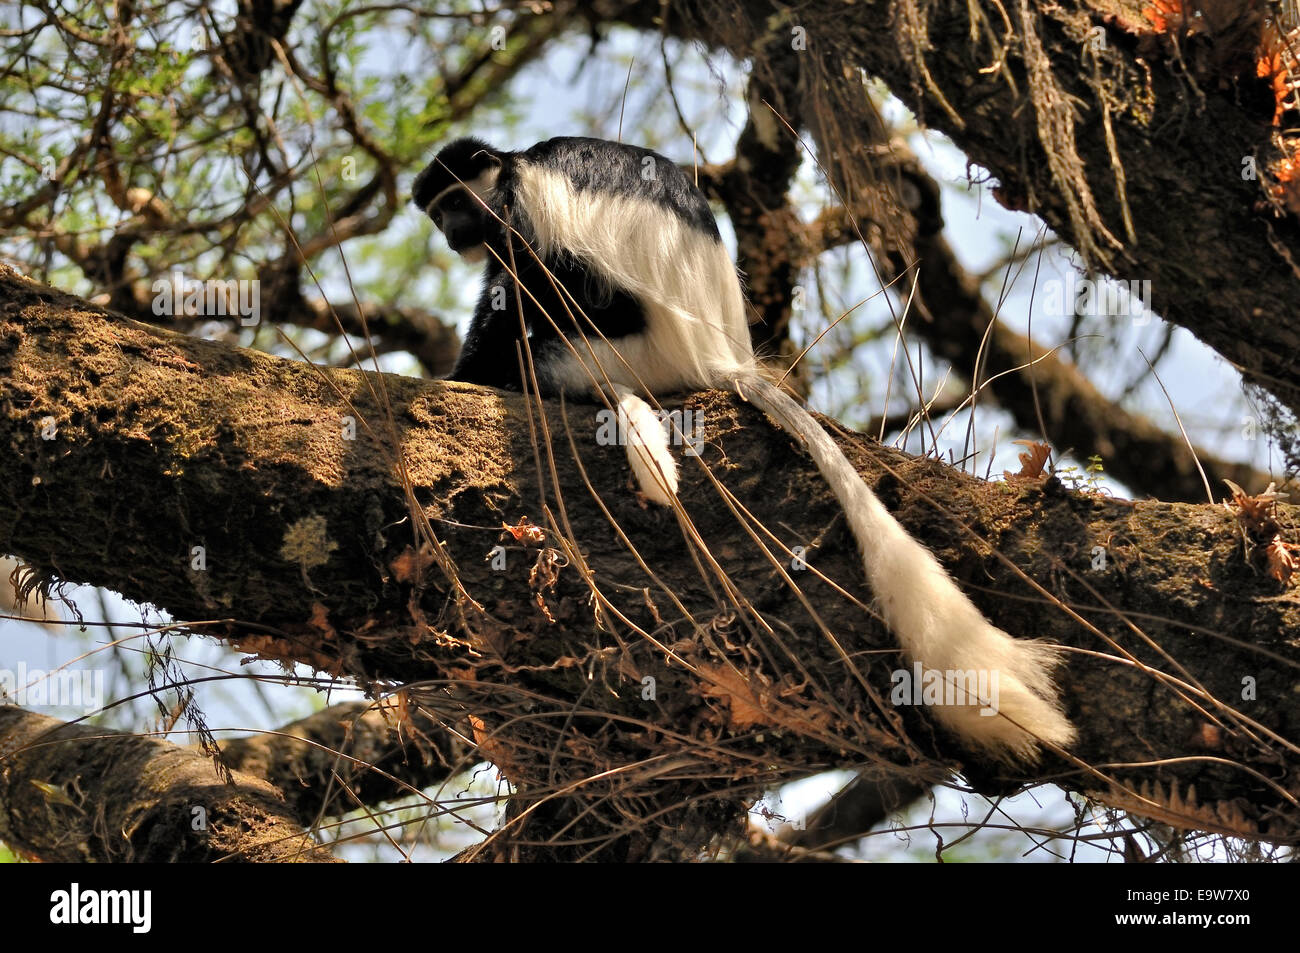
column 606, row 262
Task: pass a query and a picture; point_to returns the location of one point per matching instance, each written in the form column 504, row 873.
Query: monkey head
column 456, row 190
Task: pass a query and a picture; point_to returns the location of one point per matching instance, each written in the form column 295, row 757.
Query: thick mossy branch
column 651, row 688
column 348, row 755
column 75, row 793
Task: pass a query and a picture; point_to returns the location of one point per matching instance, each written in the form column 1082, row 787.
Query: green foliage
column 105, row 116
column 1089, row 479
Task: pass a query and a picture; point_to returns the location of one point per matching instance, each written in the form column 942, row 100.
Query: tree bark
column 75, row 793
column 348, row 755
column 636, row 681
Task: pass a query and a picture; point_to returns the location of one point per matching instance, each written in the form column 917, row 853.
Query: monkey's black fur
column 553, row 299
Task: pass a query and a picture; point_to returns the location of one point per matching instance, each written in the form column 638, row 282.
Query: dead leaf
column 1164, row 15
column 320, row 621
column 543, row 577
column 1032, row 462
column 409, row 565
column 525, row 532
column 494, row 750
column 1255, row 513
column 1283, row 559
column 730, row 687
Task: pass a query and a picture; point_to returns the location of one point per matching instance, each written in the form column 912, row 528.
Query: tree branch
column 1034, row 384
column 351, row 750
column 74, row 793
column 636, row 699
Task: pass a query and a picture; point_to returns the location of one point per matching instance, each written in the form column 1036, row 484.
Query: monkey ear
column 490, row 153
column 470, row 150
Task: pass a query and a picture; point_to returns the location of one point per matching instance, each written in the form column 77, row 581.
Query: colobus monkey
column 606, row 262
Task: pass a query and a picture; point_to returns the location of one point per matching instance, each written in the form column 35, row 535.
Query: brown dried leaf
column 543, row 577
column 730, row 687
column 494, row 750
column 745, row 707
column 1255, row 513
column 409, row 565
column 1283, row 559
column 286, row 652
column 320, row 621
column 1032, row 462
column 525, row 532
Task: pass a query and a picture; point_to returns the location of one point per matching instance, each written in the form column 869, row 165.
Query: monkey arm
column 488, row 355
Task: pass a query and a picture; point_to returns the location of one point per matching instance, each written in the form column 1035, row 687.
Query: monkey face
column 461, row 217
column 458, row 191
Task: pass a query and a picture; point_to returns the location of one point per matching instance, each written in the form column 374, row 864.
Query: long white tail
column 936, row 625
